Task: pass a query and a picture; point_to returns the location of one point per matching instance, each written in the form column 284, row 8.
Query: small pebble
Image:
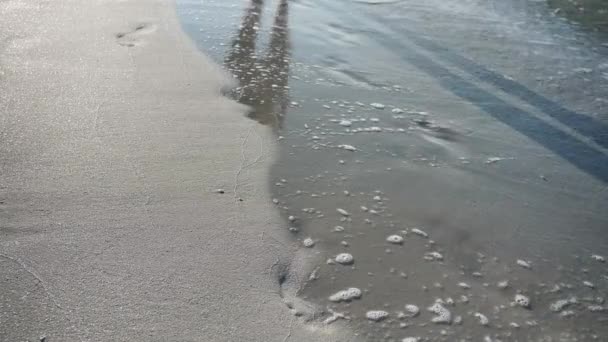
column 598, row 258
column 377, row 105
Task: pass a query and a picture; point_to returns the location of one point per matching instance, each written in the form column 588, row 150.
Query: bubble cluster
column 346, row 295
column 376, row 315
column 344, row 258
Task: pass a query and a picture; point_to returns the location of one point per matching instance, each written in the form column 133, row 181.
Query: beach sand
column 114, row 138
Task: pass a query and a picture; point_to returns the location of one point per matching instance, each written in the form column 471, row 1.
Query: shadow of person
column 263, row 80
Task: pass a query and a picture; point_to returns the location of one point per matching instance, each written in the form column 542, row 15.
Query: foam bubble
column 308, row 242
column 342, row 212
column 411, row 339
column 376, row 315
column 412, row 309
column 443, row 315
column 420, row 232
column 344, row 258
column 522, row 300
column 483, row 319
column 346, row 295
column 524, row 264
column 396, row 239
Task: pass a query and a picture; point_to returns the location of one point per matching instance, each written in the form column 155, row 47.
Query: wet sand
column 481, row 126
column 133, row 196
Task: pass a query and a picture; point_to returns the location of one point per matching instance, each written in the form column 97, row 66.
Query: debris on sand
column 346, row 295
column 443, row 315
column 503, row 284
column 376, row 315
column 395, row 239
column 598, row 258
column 344, row 258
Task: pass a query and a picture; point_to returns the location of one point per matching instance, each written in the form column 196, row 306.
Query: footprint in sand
column 133, row 37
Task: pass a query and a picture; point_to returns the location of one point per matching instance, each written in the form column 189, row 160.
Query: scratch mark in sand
column 290, row 331
column 243, row 165
column 33, row 274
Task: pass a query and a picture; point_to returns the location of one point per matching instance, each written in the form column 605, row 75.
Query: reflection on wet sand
column 262, row 79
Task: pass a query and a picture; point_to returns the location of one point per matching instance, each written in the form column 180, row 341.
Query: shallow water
column 493, row 140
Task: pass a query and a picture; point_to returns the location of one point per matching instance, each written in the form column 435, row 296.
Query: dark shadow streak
column 262, row 81
column 581, row 155
column 573, row 150
column 583, row 124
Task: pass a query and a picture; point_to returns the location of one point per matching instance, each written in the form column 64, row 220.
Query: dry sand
column 113, row 138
